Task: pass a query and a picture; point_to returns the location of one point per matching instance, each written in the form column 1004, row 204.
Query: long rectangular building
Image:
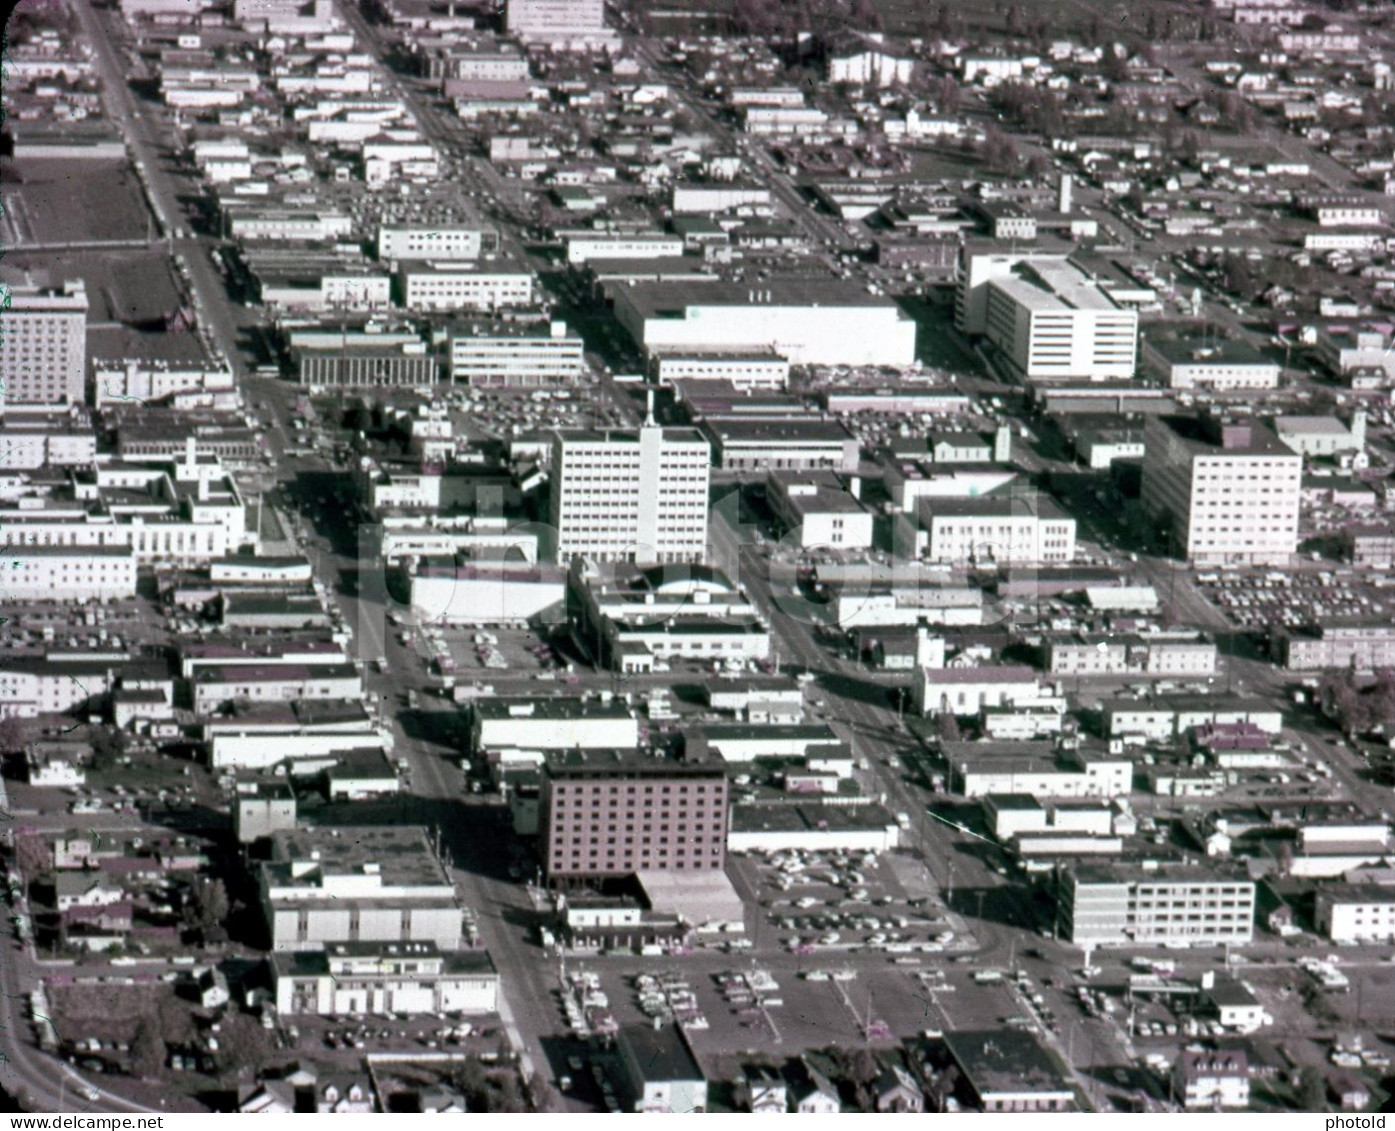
column 809, row 322
column 492, row 358
column 1102, row 905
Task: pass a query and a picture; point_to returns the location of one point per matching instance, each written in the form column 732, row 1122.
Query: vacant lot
column 74, row 201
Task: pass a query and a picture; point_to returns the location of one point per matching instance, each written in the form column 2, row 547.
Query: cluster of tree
column 1356, row 707
column 497, row 1091
column 206, row 905
column 820, row 18
column 1035, row 110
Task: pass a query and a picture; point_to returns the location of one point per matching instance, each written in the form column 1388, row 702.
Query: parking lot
column 1270, row 600
column 816, row 904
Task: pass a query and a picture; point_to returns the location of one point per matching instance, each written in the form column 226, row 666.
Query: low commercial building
column 1040, row 768
column 1009, row 528
column 966, row 691
column 1213, row 365
column 213, row 686
column 485, row 592
column 818, row 510
column 442, row 244
column 812, row 827
column 1163, row 718
column 498, row 725
column 811, row 322
column 1370, row 546
column 1338, row 643
column 366, row 367
column 776, row 445
column 359, row 979
column 1115, row 654
column 1008, row 1070
column 747, row 370
column 1322, row 436
column 633, row 619
column 436, row 286
column 1102, row 905
column 1356, row 913
column 359, row 884
column 660, row 1072
column 263, row 806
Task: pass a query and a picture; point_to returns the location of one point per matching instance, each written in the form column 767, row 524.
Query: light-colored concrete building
column 810, row 322
column 637, row 495
column 1129, row 905
column 43, row 351
column 1226, row 493
column 1050, row 320
column 358, row 884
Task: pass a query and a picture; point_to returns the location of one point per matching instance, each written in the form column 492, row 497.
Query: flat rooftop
column 671, row 299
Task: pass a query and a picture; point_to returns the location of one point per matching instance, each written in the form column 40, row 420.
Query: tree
column 147, row 1050
column 1312, row 1089
column 243, row 1045
column 947, row 726
column 206, row 905
column 108, row 745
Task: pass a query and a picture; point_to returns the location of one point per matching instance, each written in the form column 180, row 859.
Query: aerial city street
column 697, row 556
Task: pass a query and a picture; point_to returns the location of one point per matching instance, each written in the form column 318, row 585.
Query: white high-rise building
column 43, row 349
column 636, row 495
column 1052, row 320
column 1230, row 491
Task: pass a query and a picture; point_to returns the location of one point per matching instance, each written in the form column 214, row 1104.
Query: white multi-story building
column 431, row 286
column 1107, row 654
column 1009, row 529
column 810, row 322
column 1230, row 492
column 1349, row 913
column 1102, row 905
column 43, row 350
column 443, row 245
column 61, row 573
column 51, row 436
column 368, row 884
column 638, row 495
column 966, row 691
column 493, row 359
column 1050, row 320
column 183, row 516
